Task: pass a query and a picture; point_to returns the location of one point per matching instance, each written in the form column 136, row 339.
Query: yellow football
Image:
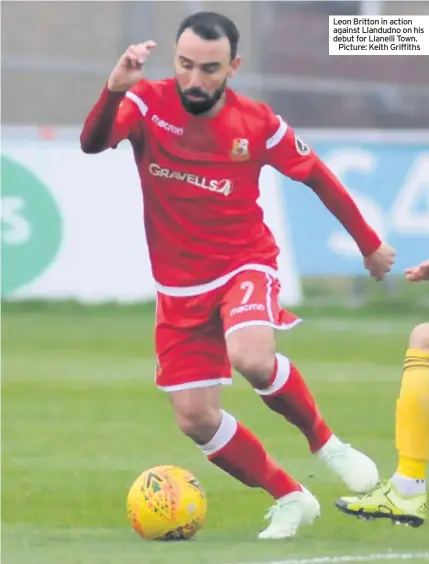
column 166, row 503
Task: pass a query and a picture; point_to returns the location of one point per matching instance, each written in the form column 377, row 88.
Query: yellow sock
column 412, row 416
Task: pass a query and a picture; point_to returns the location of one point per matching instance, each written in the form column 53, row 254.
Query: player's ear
column 234, row 66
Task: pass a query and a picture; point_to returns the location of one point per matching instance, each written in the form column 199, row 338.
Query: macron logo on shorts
column 245, row 308
column 167, row 126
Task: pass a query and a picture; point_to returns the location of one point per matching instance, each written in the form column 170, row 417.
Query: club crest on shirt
column 240, row 150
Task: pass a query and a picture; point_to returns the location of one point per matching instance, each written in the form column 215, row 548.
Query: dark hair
column 211, row 26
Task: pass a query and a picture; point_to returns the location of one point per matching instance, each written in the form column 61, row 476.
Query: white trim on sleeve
column 138, row 102
column 278, row 135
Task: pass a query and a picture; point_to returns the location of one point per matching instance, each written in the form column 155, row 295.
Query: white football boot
column 356, row 470
column 290, row 512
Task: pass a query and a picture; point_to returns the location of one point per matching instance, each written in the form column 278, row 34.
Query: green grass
column 82, row 418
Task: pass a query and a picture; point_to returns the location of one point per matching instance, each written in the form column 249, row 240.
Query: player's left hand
column 418, row 273
column 380, row 262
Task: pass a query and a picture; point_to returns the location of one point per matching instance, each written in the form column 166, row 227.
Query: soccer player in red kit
column 199, row 148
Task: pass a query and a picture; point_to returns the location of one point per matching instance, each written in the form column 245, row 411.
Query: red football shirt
column 199, row 178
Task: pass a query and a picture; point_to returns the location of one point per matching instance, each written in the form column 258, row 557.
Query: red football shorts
column 190, row 331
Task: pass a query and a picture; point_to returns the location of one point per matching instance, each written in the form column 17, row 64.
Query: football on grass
column 166, row 503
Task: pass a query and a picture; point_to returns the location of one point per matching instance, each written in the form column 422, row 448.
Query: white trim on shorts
column 271, row 276
column 185, row 291
column 262, row 323
column 197, row 384
column 269, row 285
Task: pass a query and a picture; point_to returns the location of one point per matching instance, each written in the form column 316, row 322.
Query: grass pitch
column 82, row 418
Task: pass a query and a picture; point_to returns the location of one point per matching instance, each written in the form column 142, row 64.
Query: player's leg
column 277, row 381
column 233, row 448
column 191, row 367
column 226, row 442
column 251, row 313
column 412, row 415
column 405, row 493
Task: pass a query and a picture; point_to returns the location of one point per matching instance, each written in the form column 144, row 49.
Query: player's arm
column 293, row 158
column 111, row 120
column 117, row 114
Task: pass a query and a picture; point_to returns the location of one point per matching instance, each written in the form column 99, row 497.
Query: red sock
column 238, row 452
column 289, row 396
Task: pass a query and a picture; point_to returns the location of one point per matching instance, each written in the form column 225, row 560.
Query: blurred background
column 61, row 53
column 367, row 116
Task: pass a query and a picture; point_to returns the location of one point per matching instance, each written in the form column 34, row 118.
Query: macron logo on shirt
column 167, row 126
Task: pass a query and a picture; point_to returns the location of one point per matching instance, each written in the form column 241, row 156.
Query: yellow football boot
column 386, row 502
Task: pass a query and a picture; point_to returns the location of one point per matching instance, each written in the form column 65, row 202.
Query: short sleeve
column 285, row 151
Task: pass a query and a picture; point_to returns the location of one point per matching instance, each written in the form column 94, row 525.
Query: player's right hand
column 129, row 69
column 418, row 273
column 380, row 262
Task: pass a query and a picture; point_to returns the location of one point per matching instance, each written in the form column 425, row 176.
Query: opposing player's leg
column 251, row 314
column 403, row 498
column 192, row 364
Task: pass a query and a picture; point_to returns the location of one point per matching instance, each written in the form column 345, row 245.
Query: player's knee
column 255, row 365
column 419, row 338
column 199, row 422
column 251, row 352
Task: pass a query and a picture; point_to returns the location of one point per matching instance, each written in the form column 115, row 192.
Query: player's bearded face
column 196, row 101
column 202, row 71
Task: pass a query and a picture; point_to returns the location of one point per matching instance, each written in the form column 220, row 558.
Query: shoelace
column 271, row 511
column 338, row 452
column 380, row 485
column 274, row 510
